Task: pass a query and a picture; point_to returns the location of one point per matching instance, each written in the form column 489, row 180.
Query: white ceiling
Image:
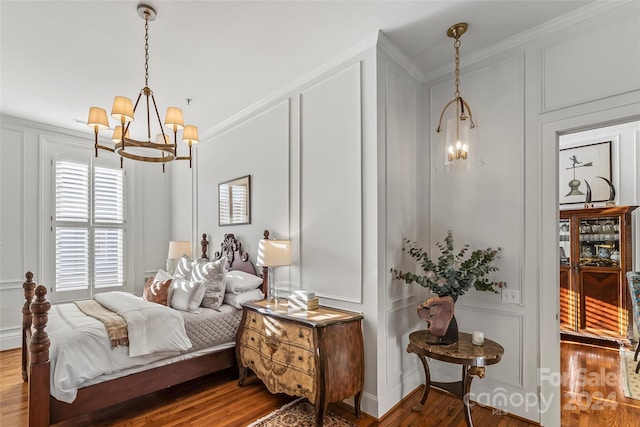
column 58, row 58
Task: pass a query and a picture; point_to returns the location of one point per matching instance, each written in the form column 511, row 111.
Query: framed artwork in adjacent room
column 234, row 201
column 584, row 169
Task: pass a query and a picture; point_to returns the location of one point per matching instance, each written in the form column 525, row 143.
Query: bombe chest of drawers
column 316, row 354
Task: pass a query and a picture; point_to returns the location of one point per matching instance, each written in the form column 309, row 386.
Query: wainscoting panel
column 12, row 236
column 331, row 186
column 400, row 154
column 571, row 75
column 507, row 329
column 401, row 364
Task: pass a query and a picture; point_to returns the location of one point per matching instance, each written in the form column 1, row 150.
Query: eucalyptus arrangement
column 452, row 274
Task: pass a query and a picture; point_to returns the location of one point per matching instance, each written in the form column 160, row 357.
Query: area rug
column 299, row 413
column 630, row 380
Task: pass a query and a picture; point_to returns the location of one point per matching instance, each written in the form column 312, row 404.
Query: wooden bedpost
column 39, row 369
column 205, row 246
column 29, row 287
column 265, row 270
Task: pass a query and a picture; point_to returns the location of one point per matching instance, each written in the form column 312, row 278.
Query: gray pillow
column 211, row 275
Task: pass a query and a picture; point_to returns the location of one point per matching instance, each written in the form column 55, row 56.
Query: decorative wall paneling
column 12, row 234
column 486, row 207
column 331, row 186
column 586, row 68
column 260, row 146
column 399, row 132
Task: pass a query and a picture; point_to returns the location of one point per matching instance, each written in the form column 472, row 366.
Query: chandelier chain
column 146, row 50
column 456, row 45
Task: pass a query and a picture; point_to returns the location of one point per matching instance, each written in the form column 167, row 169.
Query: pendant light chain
column 456, row 45
column 146, row 49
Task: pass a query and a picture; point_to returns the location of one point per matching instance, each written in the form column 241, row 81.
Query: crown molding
column 287, row 90
column 391, row 49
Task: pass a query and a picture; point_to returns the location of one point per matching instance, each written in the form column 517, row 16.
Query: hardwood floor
column 216, row 400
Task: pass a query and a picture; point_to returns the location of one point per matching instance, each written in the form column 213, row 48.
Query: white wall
column 516, row 90
column 485, row 207
column 311, row 152
column 23, row 216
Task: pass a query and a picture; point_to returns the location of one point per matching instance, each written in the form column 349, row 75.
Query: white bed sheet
column 81, row 353
column 80, row 350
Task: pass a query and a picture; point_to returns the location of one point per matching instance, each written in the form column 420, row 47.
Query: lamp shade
column 174, row 119
column 117, row 134
column 274, row 253
column 459, row 147
column 97, row 118
column 190, row 135
column 179, row 248
column 122, row 109
column 161, row 140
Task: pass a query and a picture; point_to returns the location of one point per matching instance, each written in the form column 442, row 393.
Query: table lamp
column 176, row 250
column 273, row 253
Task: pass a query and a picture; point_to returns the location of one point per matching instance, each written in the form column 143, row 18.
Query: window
column 88, row 226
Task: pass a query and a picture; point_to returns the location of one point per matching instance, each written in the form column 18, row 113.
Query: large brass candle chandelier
column 459, row 149
column 160, row 150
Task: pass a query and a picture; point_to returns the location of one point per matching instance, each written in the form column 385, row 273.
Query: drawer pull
column 299, row 385
column 300, row 335
column 253, row 320
column 253, row 339
column 299, row 357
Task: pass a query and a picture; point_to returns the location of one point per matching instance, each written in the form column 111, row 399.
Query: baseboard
column 10, row 341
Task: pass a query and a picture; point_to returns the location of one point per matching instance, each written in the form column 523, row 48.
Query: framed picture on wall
column 582, row 170
column 234, row 201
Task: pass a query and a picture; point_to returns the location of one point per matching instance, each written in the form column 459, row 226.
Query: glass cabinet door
column 600, row 242
column 565, row 242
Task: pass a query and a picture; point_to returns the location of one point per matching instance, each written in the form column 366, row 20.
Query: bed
column 161, row 372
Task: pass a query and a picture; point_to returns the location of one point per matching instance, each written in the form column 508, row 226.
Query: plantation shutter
column 72, row 233
column 89, row 226
column 108, row 241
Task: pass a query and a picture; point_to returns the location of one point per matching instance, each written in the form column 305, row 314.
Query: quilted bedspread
column 81, row 350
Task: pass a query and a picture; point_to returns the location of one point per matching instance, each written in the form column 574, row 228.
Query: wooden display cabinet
column 595, row 254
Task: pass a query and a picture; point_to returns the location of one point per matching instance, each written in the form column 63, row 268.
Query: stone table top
column 462, row 352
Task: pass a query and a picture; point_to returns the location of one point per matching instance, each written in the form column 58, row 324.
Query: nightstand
column 316, row 354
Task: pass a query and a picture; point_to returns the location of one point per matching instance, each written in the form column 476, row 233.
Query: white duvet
column 80, row 347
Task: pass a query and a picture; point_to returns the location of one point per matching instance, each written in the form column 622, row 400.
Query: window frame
column 53, row 149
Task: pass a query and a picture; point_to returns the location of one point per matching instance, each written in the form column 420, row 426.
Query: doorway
column 598, row 232
column 549, row 316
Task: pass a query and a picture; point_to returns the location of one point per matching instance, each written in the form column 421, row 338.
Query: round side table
column 473, row 359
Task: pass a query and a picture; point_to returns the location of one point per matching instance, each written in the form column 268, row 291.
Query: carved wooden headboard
column 232, row 249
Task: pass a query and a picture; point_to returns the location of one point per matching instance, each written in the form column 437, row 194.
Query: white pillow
column 238, row 281
column 161, row 276
column 237, row 300
column 186, row 295
column 183, row 269
column 211, row 274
